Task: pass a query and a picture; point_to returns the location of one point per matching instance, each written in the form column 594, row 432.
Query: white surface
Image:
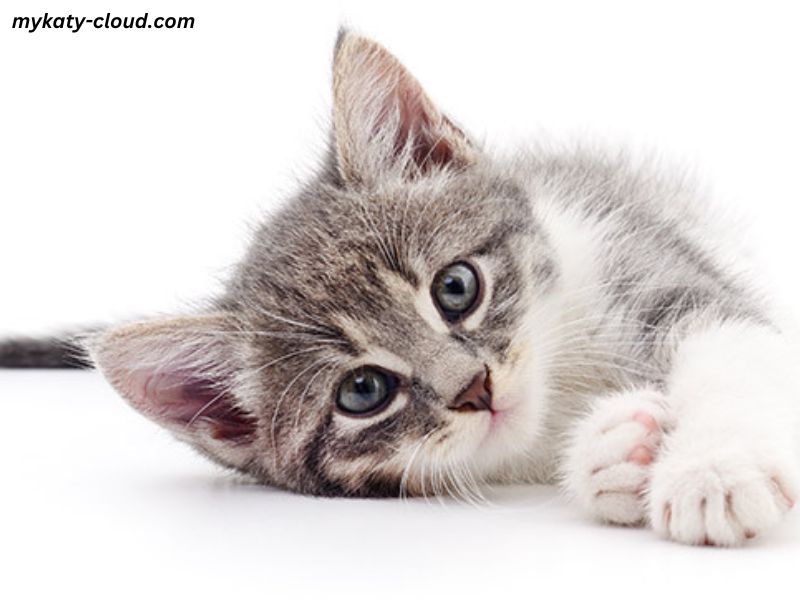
column 132, row 161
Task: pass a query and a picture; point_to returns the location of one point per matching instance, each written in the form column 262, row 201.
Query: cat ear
column 383, row 119
column 179, row 373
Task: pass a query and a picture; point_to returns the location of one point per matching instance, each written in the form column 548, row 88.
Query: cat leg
column 730, row 468
column 607, row 464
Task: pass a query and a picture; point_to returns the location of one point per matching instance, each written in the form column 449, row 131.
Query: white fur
column 731, row 468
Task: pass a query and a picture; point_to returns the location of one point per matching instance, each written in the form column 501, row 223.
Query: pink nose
column 476, row 396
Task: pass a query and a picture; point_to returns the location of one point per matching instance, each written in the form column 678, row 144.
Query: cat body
column 423, row 317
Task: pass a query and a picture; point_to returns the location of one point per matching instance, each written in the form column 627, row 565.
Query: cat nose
column 476, row 396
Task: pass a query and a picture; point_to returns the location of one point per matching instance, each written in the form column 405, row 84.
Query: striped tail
column 43, row 353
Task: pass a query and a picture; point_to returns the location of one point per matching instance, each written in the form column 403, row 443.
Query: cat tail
column 52, row 352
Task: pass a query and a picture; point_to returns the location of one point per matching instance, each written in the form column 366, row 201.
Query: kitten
column 423, row 317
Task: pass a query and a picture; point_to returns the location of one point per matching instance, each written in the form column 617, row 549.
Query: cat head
column 379, row 336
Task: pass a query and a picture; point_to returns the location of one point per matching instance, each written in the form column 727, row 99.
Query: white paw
column 719, row 498
column 608, row 460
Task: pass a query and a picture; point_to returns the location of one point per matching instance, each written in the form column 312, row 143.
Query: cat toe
column 607, row 466
column 720, row 503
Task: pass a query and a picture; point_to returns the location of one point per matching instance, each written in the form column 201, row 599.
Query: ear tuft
column 383, row 119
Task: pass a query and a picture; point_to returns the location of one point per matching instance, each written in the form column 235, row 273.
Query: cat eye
column 366, row 391
column 456, row 290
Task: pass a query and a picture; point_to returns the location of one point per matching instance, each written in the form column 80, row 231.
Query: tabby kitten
column 424, row 317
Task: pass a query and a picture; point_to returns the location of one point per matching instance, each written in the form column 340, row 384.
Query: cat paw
column 608, row 461
column 721, row 501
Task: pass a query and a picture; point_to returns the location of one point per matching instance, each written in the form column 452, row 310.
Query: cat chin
column 505, row 437
column 515, row 426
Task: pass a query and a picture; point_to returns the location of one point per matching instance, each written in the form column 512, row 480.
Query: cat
column 424, row 317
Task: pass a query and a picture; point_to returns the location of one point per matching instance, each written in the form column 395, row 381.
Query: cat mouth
column 504, row 409
column 498, row 421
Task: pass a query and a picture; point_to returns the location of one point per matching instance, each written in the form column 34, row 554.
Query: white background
column 131, row 166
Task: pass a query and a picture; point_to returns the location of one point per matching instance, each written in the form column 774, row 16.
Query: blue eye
column 365, row 390
column 456, row 290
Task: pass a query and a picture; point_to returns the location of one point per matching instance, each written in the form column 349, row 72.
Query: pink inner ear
column 416, row 123
column 184, row 401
